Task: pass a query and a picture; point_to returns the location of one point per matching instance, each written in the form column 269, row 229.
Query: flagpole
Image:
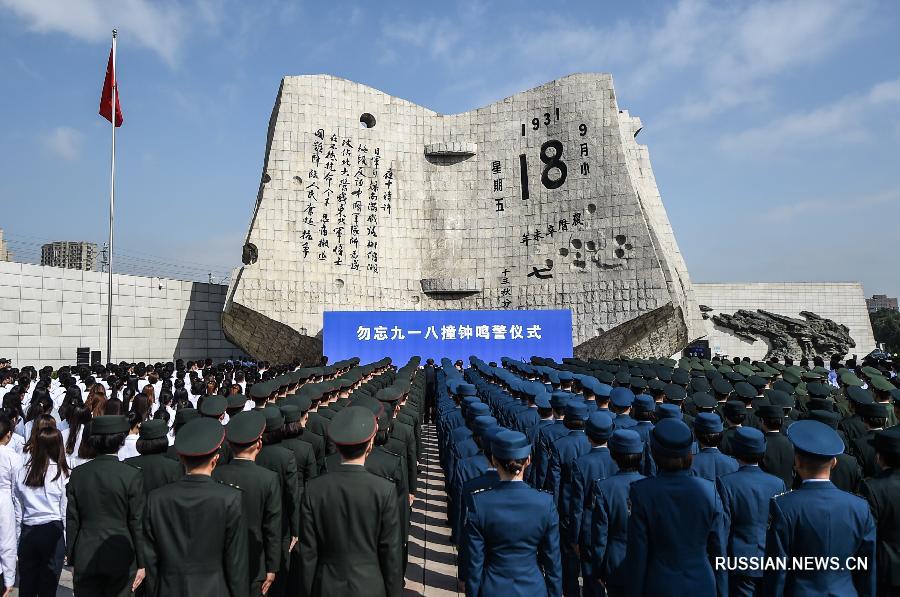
column 112, row 202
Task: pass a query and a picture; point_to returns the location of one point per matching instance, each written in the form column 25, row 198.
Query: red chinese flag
column 109, row 84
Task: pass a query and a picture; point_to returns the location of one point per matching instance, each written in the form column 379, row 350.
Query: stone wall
column 842, row 302
column 542, row 200
column 46, row 313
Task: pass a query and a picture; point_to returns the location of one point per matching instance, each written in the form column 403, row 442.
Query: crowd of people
column 619, row 477
column 662, row 477
column 194, row 479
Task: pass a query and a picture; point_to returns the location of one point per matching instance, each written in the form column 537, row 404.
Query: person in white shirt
column 78, row 416
column 10, row 463
column 16, row 441
column 39, row 499
column 129, row 448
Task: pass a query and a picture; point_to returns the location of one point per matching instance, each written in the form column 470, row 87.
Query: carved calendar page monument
column 543, row 200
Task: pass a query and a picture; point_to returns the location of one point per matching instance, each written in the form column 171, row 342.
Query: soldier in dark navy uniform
column 545, row 438
column 195, row 529
column 676, row 528
column 746, row 494
column 609, row 520
column 563, row 453
column 818, row 519
column 350, row 537
column 710, row 463
column 260, row 498
column 846, row 474
column 586, row 471
column 512, row 531
column 883, row 494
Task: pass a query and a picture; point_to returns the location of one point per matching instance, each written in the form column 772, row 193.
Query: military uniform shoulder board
column 133, row 465
column 238, row 487
column 546, row 491
column 482, row 490
column 390, row 452
column 391, row 479
column 778, row 495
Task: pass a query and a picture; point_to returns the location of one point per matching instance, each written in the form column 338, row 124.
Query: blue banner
column 372, row 335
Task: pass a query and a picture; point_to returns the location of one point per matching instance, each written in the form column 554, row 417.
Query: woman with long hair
column 10, row 463
column 70, row 401
column 78, row 416
column 180, row 399
column 142, row 405
column 40, row 422
column 96, row 400
column 39, row 498
column 511, row 541
column 41, row 404
column 150, row 392
column 16, row 442
column 127, row 397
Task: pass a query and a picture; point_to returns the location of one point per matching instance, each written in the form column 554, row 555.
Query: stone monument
column 543, row 200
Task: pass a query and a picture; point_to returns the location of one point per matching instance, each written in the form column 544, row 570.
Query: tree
column 886, row 327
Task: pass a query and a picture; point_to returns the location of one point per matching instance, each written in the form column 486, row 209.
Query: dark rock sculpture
column 788, row 336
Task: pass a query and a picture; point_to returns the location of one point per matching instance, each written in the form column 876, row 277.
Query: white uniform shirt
column 10, row 463
column 17, row 443
column 40, row 505
column 129, row 449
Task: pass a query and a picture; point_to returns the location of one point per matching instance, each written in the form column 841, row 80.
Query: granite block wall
column 46, row 313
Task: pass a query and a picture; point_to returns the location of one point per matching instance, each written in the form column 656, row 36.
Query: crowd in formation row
column 574, row 478
column 194, row 479
column 659, row 477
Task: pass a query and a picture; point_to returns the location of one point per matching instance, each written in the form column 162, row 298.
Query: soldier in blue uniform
column 512, row 531
column 563, row 453
column 609, row 520
column 486, row 480
column 595, row 465
column 621, row 400
column 545, row 438
column 643, row 409
column 746, row 494
column 818, row 519
column 545, row 412
column 710, row 463
column 468, row 468
column 676, row 528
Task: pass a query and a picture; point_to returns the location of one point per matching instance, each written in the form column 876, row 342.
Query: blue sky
column 773, row 127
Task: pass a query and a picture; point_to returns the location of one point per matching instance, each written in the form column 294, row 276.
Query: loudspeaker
column 83, row 356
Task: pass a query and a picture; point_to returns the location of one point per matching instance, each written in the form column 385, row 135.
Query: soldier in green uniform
column 405, row 434
column 104, row 537
column 303, row 452
column 281, row 461
column 309, row 393
column 384, row 463
column 260, row 498
column 195, row 529
column 152, row 444
column 883, row 495
column 350, row 523
column 306, row 469
column 182, row 416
